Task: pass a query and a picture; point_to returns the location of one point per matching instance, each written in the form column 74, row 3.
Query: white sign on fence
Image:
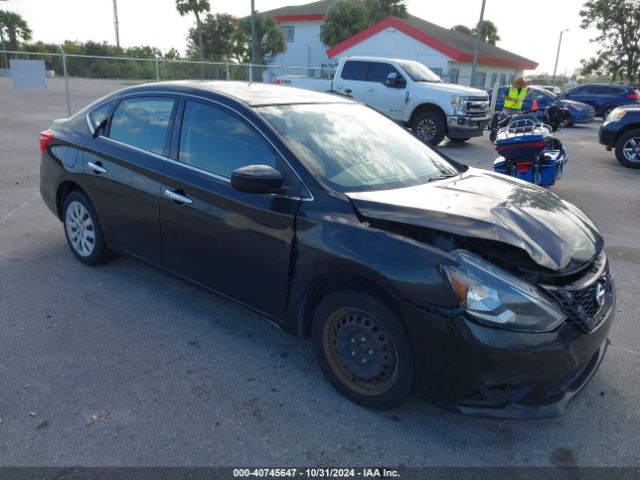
column 28, row 74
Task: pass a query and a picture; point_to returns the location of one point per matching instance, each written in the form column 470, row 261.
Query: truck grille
column 587, row 300
column 477, row 106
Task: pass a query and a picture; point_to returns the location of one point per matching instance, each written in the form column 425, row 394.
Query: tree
column 15, row 28
column 196, row 7
column 463, row 29
column 344, row 19
column 488, row 32
column 217, row 33
column 269, row 44
column 618, row 22
column 380, row 9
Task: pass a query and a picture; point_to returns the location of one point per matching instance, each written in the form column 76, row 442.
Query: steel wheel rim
column 631, row 149
column 80, row 229
column 360, row 351
column 426, row 129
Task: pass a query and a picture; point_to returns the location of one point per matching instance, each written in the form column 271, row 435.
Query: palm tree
column 488, row 32
column 15, row 27
column 379, row 9
column 462, row 29
column 196, row 7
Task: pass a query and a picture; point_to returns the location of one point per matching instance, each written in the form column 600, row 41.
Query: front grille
column 477, row 106
column 585, row 301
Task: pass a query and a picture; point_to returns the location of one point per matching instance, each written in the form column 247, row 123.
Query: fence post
column 250, row 72
column 66, row 80
column 157, row 68
column 226, row 66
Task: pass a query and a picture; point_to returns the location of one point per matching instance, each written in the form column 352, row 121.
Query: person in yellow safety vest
column 515, row 96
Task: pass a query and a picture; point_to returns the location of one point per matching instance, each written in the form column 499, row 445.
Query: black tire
column 351, row 319
column 458, row 140
column 492, row 135
column 88, row 243
column 630, row 158
column 429, row 127
column 607, row 111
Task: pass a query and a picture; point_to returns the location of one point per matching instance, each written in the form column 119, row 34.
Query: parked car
column 409, row 93
column 621, row 130
column 551, row 88
column 580, row 112
column 603, row 97
column 409, row 271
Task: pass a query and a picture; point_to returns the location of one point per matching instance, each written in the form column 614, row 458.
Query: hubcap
column 426, row 129
column 80, row 229
column 631, row 149
column 360, row 351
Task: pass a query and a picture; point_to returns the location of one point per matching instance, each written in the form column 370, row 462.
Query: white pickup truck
column 409, row 93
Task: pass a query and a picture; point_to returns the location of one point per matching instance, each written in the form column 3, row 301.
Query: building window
column 503, row 78
column 481, row 79
column 511, row 79
column 287, row 33
column 453, row 75
column 494, row 79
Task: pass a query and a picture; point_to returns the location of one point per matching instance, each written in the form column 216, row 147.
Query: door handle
column 96, row 167
column 347, row 91
column 176, row 197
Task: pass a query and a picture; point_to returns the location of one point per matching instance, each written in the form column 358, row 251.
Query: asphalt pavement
column 123, row 365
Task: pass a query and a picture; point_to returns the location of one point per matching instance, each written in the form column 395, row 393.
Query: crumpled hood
column 491, row 206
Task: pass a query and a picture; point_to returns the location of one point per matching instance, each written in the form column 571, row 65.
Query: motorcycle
column 555, row 116
column 529, row 151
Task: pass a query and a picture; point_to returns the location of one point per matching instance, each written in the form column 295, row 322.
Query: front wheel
column 429, row 127
column 82, row 230
column 607, row 111
column 628, row 149
column 363, row 349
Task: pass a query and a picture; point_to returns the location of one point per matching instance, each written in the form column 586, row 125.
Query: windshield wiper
column 442, row 177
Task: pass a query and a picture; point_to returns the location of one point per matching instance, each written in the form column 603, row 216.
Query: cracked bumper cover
column 473, row 369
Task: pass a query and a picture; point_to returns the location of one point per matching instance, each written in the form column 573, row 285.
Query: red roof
column 455, row 45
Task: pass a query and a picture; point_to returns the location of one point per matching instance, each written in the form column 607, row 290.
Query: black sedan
column 410, row 272
column 621, row 131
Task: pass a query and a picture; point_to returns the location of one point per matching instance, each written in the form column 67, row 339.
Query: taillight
column 45, row 139
column 635, row 95
column 278, row 81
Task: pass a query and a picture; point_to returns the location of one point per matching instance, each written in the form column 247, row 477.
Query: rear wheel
column 628, row 149
column 82, row 230
column 429, row 127
column 363, row 349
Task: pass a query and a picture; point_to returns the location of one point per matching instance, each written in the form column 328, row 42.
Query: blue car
column 580, row 112
column 603, row 97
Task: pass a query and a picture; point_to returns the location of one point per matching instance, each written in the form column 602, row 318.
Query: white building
column 448, row 53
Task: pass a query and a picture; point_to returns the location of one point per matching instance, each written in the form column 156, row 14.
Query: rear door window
column 99, row 114
column 143, row 122
column 354, row 71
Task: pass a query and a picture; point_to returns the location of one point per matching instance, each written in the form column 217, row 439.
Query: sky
column 530, row 29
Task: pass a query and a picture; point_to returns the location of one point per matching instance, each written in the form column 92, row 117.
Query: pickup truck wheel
column 628, row 149
column 429, row 127
column 362, row 349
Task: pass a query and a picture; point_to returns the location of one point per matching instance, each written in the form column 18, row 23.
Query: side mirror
column 257, row 179
column 395, row 81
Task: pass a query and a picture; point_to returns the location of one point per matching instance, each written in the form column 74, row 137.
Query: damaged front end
column 532, row 280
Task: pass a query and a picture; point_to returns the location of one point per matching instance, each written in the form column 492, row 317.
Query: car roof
column 252, row 94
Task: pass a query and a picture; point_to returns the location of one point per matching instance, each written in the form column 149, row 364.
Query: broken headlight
column 498, row 299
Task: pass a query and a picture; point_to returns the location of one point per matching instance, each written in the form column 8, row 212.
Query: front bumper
column 465, row 127
column 473, row 369
column 608, row 134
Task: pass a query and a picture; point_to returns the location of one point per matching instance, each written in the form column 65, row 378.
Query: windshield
column 352, row 148
column 418, row 72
